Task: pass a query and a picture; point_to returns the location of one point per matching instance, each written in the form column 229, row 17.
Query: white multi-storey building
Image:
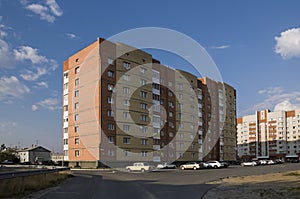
column 269, row 134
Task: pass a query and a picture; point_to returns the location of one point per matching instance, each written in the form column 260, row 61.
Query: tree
column 2, row 147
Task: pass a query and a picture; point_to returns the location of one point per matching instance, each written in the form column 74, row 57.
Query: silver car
column 190, row 165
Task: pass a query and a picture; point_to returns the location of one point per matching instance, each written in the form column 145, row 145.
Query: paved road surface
column 161, row 184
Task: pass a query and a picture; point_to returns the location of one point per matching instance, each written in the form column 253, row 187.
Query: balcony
column 155, row 80
column 155, row 91
column 156, row 159
column 156, row 147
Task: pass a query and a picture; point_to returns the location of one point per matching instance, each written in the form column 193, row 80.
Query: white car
column 252, row 163
column 140, row 166
column 190, row 165
column 214, row 164
column 166, row 166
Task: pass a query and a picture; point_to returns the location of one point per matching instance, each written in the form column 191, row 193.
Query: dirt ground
column 276, row 185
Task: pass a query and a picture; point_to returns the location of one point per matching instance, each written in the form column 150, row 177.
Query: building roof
column 34, row 148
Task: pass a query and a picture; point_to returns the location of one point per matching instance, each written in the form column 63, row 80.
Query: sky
column 255, row 45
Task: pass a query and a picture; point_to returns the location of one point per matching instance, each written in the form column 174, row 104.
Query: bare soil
column 276, row 185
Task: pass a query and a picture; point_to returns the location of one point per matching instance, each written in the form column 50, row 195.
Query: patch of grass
column 22, row 186
column 294, row 189
column 292, row 174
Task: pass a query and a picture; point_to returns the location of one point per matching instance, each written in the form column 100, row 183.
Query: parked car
column 270, row 162
column 279, row 161
column 251, row 163
column 7, row 162
column 140, row 166
column 226, row 164
column 214, row 164
column 263, row 162
column 190, row 165
column 166, row 166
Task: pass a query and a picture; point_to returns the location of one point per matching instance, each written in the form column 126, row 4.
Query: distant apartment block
column 269, row 135
column 120, row 105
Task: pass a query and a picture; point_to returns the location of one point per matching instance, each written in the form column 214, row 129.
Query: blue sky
column 255, row 44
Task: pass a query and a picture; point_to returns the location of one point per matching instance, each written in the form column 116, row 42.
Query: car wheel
column 194, row 168
column 129, row 170
column 215, row 166
column 143, row 170
column 182, row 168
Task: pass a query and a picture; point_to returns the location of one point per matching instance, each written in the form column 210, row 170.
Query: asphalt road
column 164, row 184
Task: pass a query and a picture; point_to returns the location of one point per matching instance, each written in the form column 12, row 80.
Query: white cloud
column 24, row 53
column 56, row 10
column 42, row 84
column 285, row 105
column 220, row 47
column 6, row 127
column 29, row 53
column 34, row 107
column 32, row 76
column 275, row 99
column 47, row 12
column 11, row 87
column 271, row 90
column 288, row 43
column 71, row 35
column 6, row 57
column 50, row 104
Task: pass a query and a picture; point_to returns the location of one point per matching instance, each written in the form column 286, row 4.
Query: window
column 111, row 152
column 126, row 102
column 77, row 69
column 126, row 153
column 110, row 139
column 110, row 61
column 110, row 87
column 126, row 140
column 143, row 70
column 126, row 90
column 143, row 106
column 126, row 127
column 66, row 86
column 126, row 77
column 143, row 82
column 65, row 130
column 76, row 140
column 76, row 105
column 76, row 117
column 76, row 93
column 180, row 96
column 126, row 65
column 143, row 117
column 180, row 86
column 77, row 153
column 65, row 141
column 171, row 114
column 144, row 153
column 110, row 100
column 110, row 113
column 171, row 104
column 110, row 73
column 144, row 141
column 76, row 81
column 110, row 126
column 126, row 115
column 65, row 152
column 143, row 129
column 66, row 75
column 143, row 94
column 76, row 129
column 66, row 108
column 170, row 93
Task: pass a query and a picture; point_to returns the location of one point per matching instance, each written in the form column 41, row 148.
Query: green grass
column 292, row 174
column 22, row 186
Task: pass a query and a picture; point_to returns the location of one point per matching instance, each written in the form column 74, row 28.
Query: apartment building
column 120, row 106
column 269, row 135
